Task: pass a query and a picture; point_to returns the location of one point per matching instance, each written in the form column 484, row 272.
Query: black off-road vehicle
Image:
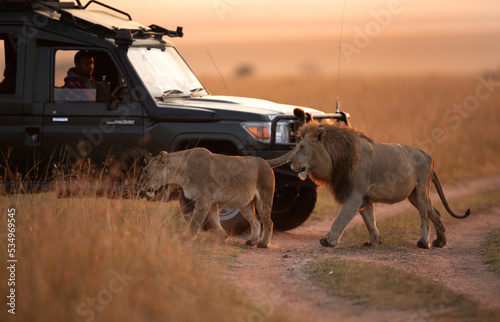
column 146, row 100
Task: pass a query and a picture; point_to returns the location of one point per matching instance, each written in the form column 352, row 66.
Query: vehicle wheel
column 232, row 221
column 292, row 206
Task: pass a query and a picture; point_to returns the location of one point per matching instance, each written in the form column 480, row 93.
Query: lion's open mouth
column 302, row 172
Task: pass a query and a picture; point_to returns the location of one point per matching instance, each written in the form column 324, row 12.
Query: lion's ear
column 300, row 114
column 163, row 156
column 321, row 133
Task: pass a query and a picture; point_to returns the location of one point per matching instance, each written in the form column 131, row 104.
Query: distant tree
column 310, row 68
column 245, row 70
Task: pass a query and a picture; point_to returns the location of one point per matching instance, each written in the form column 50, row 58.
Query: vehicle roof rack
column 76, row 16
column 105, row 6
column 30, row 5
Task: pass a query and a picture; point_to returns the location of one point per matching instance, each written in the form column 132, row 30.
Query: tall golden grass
column 98, row 259
column 412, row 110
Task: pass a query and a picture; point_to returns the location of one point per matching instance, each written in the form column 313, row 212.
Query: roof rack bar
column 63, row 13
column 163, row 31
column 15, row 5
column 106, row 6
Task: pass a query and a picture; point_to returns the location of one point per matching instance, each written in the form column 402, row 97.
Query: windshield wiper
column 170, row 92
column 196, row 90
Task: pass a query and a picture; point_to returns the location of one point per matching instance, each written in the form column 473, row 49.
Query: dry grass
column 379, row 286
column 406, row 110
column 387, row 288
column 491, row 250
column 97, row 259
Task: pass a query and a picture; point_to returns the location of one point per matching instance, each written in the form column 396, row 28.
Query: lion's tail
column 279, row 161
column 439, row 189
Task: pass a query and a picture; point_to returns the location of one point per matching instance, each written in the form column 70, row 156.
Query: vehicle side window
column 8, row 62
column 77, row 72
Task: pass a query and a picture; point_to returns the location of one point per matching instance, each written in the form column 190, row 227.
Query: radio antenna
column 220, row 74
column 337, row 109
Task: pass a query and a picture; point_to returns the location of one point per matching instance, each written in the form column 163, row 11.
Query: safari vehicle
column 146, row 100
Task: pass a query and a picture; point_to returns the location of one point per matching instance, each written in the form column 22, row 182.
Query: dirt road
column 278, row 281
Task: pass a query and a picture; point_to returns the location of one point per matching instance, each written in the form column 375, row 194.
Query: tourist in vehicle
column 80, row 77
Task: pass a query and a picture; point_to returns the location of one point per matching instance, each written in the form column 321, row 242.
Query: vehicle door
column 102, row 138
column 12, row 54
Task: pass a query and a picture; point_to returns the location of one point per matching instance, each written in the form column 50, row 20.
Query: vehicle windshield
column 164, row 72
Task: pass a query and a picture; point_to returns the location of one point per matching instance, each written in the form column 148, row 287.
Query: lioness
column 360, row 172
column 211, row 179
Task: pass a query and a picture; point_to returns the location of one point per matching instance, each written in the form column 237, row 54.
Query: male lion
column 360, row 172
column 211, row 179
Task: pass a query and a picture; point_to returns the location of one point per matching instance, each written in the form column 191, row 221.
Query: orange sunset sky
column 296, row 37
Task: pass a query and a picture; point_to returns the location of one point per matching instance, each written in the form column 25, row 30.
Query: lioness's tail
column 439, row 189
column 279, row 161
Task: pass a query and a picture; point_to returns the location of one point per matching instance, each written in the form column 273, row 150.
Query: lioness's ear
column 321, row 133
column 163, row 156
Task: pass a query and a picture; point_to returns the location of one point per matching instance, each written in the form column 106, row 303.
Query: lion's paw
column 422, row 244
column 438, row 243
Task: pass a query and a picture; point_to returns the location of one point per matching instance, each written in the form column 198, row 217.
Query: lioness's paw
column 263, row 245
column 370, row 244
column 250, row 242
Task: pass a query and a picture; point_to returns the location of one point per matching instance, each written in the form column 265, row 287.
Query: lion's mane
column 335, row 168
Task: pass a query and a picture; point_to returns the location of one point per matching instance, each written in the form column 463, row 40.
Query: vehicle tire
column 232, row 221
column 292, row 206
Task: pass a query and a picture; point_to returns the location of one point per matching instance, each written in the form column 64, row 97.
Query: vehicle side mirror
column 103, row 91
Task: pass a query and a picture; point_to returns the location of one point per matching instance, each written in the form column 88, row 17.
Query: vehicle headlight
column 282, row 132
column 261, row 131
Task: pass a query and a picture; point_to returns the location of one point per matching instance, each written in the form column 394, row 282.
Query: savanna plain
column 101, row 259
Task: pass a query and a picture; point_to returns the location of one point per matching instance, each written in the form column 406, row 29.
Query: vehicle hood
column 234, row 108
